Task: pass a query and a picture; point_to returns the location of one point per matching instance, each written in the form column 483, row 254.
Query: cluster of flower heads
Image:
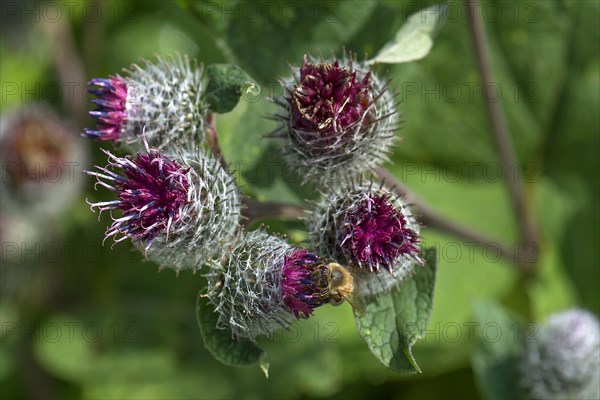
column 172, row 198
column 563, row 360
column 337, row 122
column 178, row 205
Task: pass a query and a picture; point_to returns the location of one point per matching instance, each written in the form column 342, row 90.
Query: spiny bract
column 562, row 361
column 261, row 284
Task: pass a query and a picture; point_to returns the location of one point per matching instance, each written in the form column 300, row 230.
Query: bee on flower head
column 262, row 283
column 337, row 285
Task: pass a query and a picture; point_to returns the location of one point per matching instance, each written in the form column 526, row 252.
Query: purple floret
column 301, row 284
column 375, row 234
column 151, row 191
column 329, row 99
column 111, row 111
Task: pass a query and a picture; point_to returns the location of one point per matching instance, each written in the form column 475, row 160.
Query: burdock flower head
column 262, row 283
column 338, row 118
column 39, row 153
column 40, row 157
column 178, row 208
column 162, row 101
column 367, row 229
column 563, row 360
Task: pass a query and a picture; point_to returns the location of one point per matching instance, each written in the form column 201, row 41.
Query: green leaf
column 395, row 320
column 264, row 37
column 415, row 39
column 497, row 349
column 220, row 343
column 226, row 84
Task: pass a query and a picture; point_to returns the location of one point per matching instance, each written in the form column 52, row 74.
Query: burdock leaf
column 221, row 344
column 226, row 84
column 415, row 39
column 395, row 320
column 263, row 36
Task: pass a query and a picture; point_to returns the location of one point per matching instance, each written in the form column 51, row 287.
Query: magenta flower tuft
column 300, row 283
column 329, row 99
column 375, row 234
column 151, row 189
column 111, row 113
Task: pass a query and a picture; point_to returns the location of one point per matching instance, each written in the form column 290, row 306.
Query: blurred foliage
column 495, row 355
column 99, row 322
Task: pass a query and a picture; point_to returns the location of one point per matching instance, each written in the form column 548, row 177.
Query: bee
column 337, row 284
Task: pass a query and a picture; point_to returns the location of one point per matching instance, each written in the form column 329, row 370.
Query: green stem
column 431, row 218
column 68, row 65
column 256, row 210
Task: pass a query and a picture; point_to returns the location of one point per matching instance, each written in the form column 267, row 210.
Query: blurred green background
column 82, row 320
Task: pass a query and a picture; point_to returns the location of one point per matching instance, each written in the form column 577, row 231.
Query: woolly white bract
column 179, row 209
column 209, row 222
column 165, row 102
column 245, row 286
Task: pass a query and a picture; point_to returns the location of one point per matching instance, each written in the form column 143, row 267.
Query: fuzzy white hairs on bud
column 162, row 101
column 180, row 209
column 245, row 286
column 208, row 223
column 563, row 360
column 166, row 101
